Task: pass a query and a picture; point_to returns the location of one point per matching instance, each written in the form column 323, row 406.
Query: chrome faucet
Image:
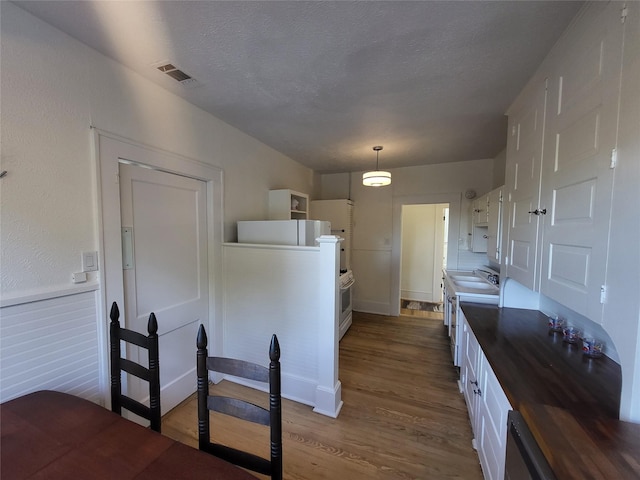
column 491, row 277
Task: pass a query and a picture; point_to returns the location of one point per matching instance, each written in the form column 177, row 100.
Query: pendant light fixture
column 376, row 178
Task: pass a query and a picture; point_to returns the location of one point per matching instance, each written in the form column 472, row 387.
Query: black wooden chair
column 242, row 409
column 150, row 374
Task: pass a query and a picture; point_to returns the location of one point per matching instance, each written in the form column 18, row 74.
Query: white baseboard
column 294, row 388
column 329, row 400
column 171, row 396
column 379, row 308
column 417, row 296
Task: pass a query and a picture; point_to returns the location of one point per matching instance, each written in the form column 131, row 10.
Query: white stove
column 346, row 282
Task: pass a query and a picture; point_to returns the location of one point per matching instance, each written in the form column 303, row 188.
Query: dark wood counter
column 569, row 401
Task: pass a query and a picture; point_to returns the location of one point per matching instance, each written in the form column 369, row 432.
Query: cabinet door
column 480, row 210
column 493, row 410
column 495, row 225
column 469, row 379
column 479, row 238
column 524, row 160
column 578, row 172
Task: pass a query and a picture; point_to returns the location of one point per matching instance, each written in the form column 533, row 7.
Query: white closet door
column 167, row 272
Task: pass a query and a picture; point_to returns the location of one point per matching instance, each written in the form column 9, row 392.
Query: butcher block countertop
column 569, row 401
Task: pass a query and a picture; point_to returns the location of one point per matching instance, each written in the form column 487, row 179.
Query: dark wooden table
column 569, row 401
column 54, row 435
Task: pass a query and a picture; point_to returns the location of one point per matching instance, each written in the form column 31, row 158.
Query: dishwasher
column 525, row 460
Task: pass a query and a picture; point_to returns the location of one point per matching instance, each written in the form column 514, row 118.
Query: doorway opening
column 424, row 245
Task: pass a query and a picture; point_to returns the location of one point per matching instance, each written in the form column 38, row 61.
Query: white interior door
column 422, row 252
column 165, row 270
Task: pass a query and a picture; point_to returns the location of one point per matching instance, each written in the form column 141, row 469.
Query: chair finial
column 201, row 339
column 115, row 312
column 274, row 349
column 152, row 325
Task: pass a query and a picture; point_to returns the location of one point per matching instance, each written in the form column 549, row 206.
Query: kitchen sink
column 466, row 278
column 477, row 285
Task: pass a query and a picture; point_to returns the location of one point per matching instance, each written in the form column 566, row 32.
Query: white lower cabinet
column 469, row 378
column 487, row 404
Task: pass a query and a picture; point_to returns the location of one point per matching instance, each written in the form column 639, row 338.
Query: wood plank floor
column 403, row 417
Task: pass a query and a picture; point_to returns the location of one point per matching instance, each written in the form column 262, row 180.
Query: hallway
column 403, row 417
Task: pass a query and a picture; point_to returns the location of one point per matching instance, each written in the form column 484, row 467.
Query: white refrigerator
column 282, row 232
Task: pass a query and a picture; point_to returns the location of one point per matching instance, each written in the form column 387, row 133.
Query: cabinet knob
column 537, row 211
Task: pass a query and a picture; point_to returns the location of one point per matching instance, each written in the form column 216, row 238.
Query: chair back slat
column 151, row 374
column 239, row 409
column 135, row 369
column 238, row 368
column 135, row 338
column 134, row 406
column 241, row 458
column 242, row 409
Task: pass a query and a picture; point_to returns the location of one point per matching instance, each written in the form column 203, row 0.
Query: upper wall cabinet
column 480, row 210
column 560, row 163
column 494, row 224
column 286, row 204
column 523, row 169
column 479, row 217
column 578, row 165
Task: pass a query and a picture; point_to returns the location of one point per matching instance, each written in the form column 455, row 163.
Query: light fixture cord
column 377, row 155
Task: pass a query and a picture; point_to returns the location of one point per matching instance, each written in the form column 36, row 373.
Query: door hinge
column 614, row 158
column 623, row 13
column 603, row 293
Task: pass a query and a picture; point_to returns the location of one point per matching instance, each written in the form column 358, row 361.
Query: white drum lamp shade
column 376, row 178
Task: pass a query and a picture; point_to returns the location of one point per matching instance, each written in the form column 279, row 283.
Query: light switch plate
column 89, row 261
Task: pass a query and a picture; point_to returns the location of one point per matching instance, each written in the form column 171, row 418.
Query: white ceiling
column 324, row 81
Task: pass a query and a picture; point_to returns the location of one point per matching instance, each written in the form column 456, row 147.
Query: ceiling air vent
column 176, row 73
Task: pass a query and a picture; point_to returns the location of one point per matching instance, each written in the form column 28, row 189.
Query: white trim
column 367, row 306
column 328, row 400
column 454, row 201
column 298, row 389
column 47, row 293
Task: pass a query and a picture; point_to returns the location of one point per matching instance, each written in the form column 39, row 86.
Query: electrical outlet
column 79, row 277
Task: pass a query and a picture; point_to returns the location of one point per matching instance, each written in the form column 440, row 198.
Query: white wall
column 622, row 309
column 499, row 168
column 373, row 236
column 290, row 291
column 53, row 89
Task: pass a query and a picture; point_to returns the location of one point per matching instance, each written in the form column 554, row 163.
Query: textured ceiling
column 324, row 81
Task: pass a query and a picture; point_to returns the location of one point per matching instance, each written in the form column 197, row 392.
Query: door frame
column 454, row 200
column 108, row 150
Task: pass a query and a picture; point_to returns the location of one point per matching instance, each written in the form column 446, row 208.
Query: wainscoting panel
column 50, row 344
